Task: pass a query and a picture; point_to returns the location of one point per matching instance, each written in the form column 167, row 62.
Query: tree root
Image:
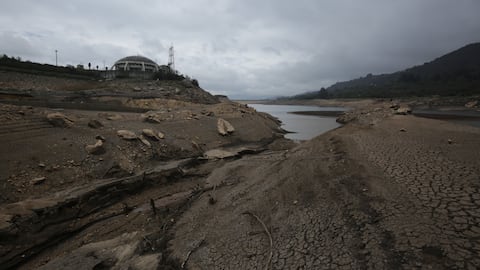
column 191, row 251
column 269, row 261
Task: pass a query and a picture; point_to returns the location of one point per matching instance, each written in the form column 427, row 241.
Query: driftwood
column 269, row 261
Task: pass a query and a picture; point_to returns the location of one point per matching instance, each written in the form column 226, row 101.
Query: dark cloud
column 244, row 48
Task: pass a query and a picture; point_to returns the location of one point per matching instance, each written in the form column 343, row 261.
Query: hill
column 456, row 73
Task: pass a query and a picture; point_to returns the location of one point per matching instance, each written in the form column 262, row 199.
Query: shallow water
column 304, row 127
column 465, row 117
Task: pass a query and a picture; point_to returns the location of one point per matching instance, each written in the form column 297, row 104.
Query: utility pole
column 56, row 58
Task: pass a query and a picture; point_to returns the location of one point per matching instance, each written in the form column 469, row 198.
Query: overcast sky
column 243, row 48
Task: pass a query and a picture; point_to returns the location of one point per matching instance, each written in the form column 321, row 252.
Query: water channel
column 303, row 127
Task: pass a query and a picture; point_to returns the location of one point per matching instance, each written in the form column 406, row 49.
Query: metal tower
column 171, row 59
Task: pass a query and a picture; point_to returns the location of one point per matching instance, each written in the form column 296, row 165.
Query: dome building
column 136, row 63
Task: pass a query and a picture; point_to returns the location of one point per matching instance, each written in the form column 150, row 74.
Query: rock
column 137, row 89
column 346, row 117
column 41, row 165
column 37, row 181
column 395, row 106
column 152, row 117
column 113, row 117
column 96, row 149
column 150, row 133
column 449, row 141
column 127, row 134
column 472, row 104
column 59, row 120
column 161, row 135
column 218, row 154
column 95, row 124
column 144, row 141
column 100, row 137
column 121, row 252
column 224, row 127
column 403, row 130
column 403, row 111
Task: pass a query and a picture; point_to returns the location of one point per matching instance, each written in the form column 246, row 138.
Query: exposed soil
column 384, row 191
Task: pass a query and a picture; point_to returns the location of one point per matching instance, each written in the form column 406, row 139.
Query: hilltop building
column 136, row 63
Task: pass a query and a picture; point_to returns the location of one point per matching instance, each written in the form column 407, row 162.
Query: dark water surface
column 465, row 117
column 304, row 127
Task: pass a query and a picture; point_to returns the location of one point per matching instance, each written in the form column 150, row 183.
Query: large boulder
column 224, row 127
column 127, row 134
column 59, row 120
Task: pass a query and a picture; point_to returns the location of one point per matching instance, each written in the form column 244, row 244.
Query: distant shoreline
column 319, row 113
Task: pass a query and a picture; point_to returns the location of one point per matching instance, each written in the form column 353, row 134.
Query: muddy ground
column 384, row 191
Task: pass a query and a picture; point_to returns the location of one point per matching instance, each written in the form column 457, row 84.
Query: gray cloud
column 244, row 48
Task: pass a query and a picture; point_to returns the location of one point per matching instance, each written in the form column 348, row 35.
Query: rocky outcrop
column 59, row 120
column 224, row 127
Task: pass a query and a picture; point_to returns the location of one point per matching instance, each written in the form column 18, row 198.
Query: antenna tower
column 171, row 59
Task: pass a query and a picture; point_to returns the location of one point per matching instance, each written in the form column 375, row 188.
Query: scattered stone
column 37, row 181
column 59, row 120
column 96, row 149
column 95, row 124
column 41, row 165
column 450, row 141
column 144, row 141
column 137, row 89
column 127, row 134
column 224, row 127
column 472, row 104
column 403, row 111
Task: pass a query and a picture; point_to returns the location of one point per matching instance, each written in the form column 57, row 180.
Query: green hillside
column 454, row 74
